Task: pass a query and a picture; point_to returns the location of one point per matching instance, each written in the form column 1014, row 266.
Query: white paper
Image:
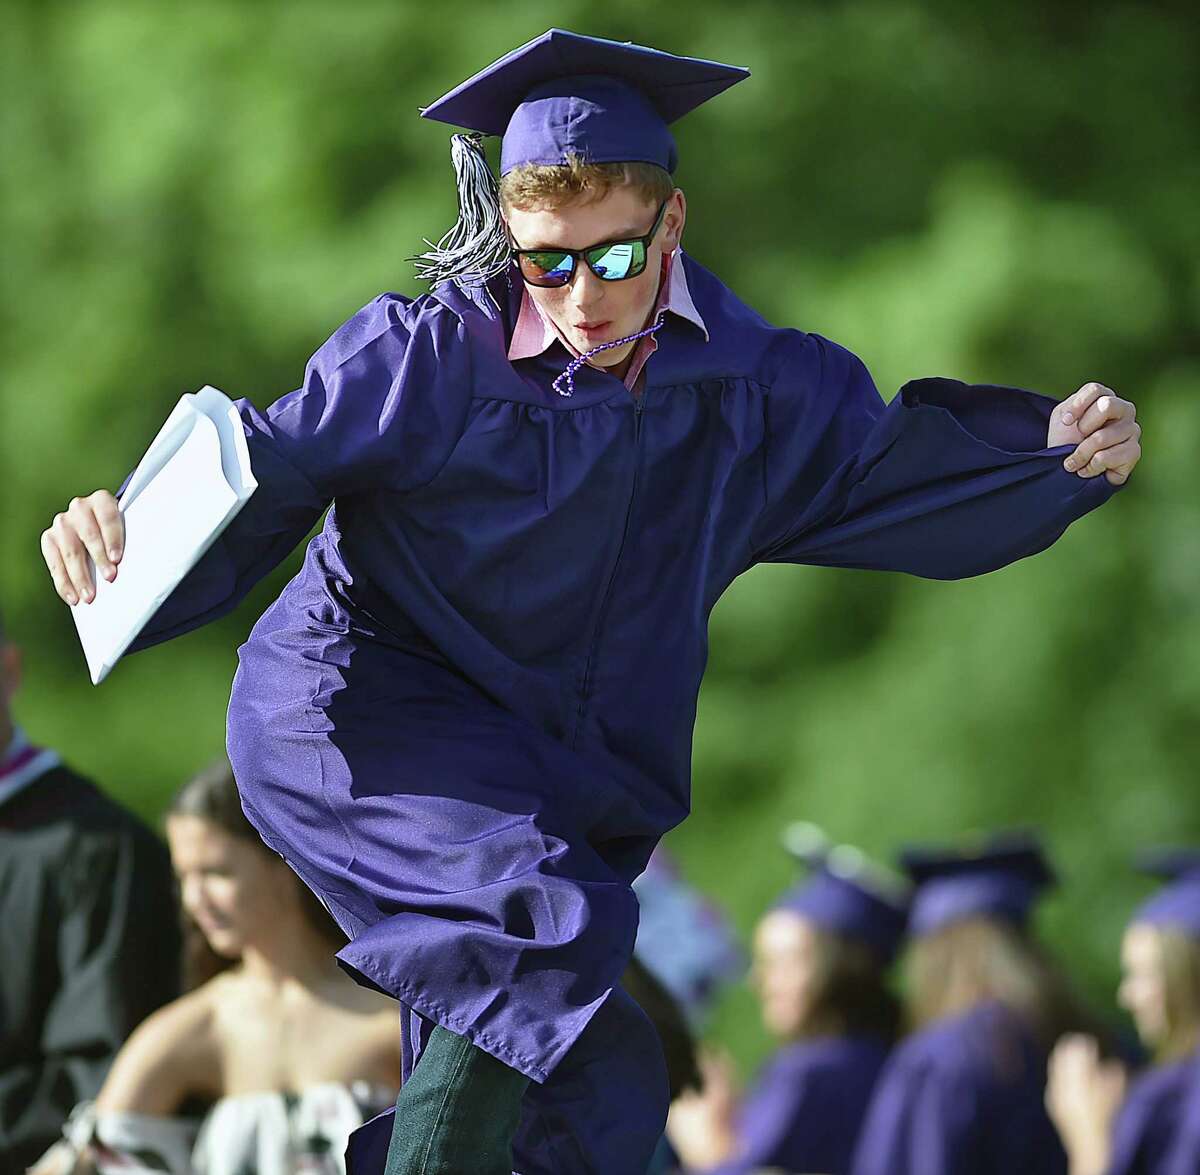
column 188, row 487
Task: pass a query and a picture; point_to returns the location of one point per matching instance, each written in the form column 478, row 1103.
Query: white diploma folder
column 186, row 490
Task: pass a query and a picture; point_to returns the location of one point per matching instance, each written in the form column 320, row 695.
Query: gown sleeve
column 947, row 481
column 376, row 410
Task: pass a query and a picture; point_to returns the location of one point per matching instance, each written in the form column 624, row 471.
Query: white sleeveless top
column 269, row 1133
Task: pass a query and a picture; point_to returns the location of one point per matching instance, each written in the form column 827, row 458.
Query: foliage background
column 201, row 192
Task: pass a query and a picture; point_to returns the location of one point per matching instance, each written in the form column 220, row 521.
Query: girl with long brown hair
column 821, row 957
column 282, row 1052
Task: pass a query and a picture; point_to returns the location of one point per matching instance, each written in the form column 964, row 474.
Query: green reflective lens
column 616, row 261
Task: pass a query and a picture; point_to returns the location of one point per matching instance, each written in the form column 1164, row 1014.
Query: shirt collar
column 534, row 333
column 17, row 744
column 21, row 763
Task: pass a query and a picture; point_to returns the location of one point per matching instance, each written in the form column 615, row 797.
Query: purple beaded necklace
column 579, row 361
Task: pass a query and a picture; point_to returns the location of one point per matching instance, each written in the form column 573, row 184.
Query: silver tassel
column 475, row 249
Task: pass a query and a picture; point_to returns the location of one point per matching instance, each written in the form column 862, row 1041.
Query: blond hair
column 536, row 186
column 982, row 959
column 1180, row 957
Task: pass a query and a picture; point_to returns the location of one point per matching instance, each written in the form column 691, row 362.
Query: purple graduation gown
column 1148, row 1122
column 468, row 719
column 1183, row 1152
column 805, row 1109
column 964, row 1096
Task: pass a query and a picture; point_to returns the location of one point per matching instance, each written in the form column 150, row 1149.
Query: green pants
column 457, row 1113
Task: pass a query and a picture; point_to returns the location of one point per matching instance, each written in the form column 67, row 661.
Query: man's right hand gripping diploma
column 89, row 526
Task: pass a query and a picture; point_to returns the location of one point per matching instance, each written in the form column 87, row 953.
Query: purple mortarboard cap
column 1177, row 904
column 563, row 93
column 846, row 893
column 999, row 878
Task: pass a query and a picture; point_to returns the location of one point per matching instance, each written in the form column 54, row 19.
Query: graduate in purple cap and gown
column 964, row 1093
column 468, row 719
column 1109, row 1127
column 821, row 957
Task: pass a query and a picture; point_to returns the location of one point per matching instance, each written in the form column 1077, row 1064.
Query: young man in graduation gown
column 467, row 721
column 89, row 933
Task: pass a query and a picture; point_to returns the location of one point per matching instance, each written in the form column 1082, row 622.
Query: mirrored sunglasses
column 612, row 261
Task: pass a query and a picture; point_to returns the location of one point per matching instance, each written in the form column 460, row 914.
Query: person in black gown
column 88, row 932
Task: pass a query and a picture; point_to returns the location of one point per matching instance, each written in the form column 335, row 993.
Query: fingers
column 1075, row 1049
column 1074, row 407
column 90, row 528
column 74, row 556
column 1067, row 1070
column 58, row 570
column 1120, row 461
column 82, row 516
column 1077, row 1059
column 1116, row 463
column 111, row 522
column 1115, row 433
column 1067, row 1057
column 1105, row 408
column 1111, row 434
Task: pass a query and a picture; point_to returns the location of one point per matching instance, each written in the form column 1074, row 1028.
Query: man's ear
column 673, row 221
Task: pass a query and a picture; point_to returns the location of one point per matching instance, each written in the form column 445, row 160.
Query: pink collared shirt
column 534, row 332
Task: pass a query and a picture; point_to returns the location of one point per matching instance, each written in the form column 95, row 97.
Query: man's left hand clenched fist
column 1104, row 430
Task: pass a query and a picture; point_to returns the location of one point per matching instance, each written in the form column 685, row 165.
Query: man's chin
column 609, row 358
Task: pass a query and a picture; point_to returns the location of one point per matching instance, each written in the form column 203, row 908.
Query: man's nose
column 587, row 289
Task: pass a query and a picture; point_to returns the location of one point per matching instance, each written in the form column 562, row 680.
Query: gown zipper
column 586, row 683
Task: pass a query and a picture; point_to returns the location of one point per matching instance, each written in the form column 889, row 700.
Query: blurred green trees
column 201, row 193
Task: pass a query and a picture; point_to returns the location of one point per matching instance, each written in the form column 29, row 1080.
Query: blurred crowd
column 177, row 1007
